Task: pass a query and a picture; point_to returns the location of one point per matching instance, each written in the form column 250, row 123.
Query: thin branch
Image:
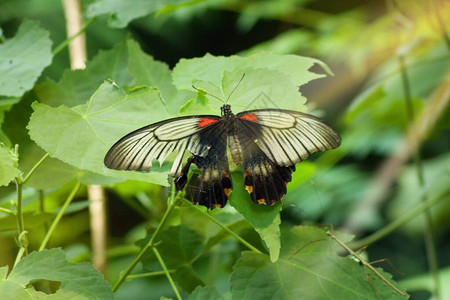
column 430, row 243
column 149, row 274
column 166, row 271
column 59, row 216
column 241, row 240
column 368, row 265
column 173, row 203
column 35, row 167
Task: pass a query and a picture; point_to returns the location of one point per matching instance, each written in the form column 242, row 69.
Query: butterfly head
column 226, row 110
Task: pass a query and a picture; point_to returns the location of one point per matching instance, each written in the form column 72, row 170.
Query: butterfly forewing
column 288, row 137
column 138, row 149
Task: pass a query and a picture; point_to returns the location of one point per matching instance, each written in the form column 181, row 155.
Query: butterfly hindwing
column 213, row 185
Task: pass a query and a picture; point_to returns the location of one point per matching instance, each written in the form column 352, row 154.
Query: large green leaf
column 309, row 267
column 271, row 80
column 81, row 136
column 23, row 58
column 78, row 281
column 8, row 171
column 122, row 12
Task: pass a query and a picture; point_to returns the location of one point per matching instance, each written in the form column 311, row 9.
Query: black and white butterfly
column 267, row 142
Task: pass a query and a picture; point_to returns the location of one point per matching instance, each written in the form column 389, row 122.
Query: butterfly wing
column 273, row 142
column 138, row 149
column 287, row 137
column 212, row 187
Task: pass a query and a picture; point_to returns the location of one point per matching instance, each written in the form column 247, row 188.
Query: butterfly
column 266, row 142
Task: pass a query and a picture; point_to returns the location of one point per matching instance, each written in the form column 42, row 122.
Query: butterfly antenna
column 243, row 75
column 206, row 93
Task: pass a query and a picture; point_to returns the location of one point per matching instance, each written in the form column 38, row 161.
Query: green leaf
column 81, row 136
column 23, row 58
column 122, row 12
column 264, row 219
column 156, row 74
column 270, row 79
column 7, row 169
column 206, row 293
column 76, row 86
column 309, row 267
column 77, row 280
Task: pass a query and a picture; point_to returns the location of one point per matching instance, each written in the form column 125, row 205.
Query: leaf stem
column 149, row 274
column 166, row 271
column 35, row 167
column 59, row 216
column 67, row 41
column 173, row 202
column 19, row 216
column 7, row 211
column 430, row 243
column 329, row 233
column 244, row 242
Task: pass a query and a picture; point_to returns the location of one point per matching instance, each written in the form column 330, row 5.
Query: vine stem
column 365, row 263
column 173, row 203
column 237, row 237
column 166, row 271
column 59, row 216
column 430, row 243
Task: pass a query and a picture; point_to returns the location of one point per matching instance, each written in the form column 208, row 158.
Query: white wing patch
column 137, row 150
column 288, row 137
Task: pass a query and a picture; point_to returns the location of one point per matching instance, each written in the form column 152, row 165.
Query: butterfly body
column 266, row 142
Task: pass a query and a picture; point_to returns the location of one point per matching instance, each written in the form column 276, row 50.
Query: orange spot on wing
column 261, row 201
column 227, row 191
column 249, row 188
column 203, row 122
column 250, row 117
column 217, row 205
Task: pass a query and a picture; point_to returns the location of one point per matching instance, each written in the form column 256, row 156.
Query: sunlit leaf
column 82, row 135
column 80, row 281
column 270, row 80
column 308, row 268
column 23, row 58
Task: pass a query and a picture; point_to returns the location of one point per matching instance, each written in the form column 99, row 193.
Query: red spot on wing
column 203, row 122
column 250, row 117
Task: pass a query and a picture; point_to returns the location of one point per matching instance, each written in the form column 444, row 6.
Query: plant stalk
column 173, row 203
column 430, row 243
column 166, row 271
column 59, row 216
